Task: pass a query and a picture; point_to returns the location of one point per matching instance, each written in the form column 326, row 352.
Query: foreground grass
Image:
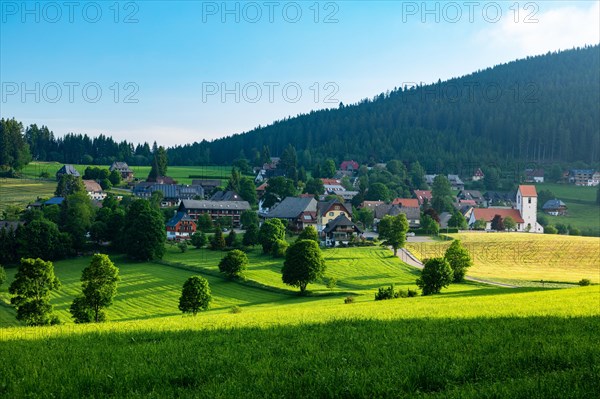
column 524, row 259
column 503, row 344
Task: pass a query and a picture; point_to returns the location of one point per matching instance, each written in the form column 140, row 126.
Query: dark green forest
column 541, row 109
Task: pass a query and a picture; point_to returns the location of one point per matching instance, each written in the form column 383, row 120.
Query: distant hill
column 541, row 109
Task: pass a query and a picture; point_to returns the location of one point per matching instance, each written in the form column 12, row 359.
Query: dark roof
column 206, row 182
column 171, row 191
column 499, row 196
column 68, row 170
column 234, row 205
column 226, row 196
column 292, row 207
column 341, row 221
column 324, row 206
column 179, row 216
column 393, row 210
column 55, row 201
column 121, row 167
column 470, row 195
column 554, row 204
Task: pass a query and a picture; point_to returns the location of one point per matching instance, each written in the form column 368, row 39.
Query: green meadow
column 21, row 192
column 583, row 212
column 473, row 340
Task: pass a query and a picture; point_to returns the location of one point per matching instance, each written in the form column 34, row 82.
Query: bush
column 235, row 309
column 390, row 293
column 280, row 248
column 436, row 274
column 550, row 230
column 199, row 239
column 584, row 282
column 182, row 246
column 349, row 299
column 234, row 263
column 331, row 282
column 195, row 295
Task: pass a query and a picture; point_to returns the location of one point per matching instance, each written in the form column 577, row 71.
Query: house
column 94, row 190
column 172, row 194
column 340, row 231
column 209, row 185
column 329, row 210
column 215, row 209
column 525, row 213
column 299, row 212
column 534, row 175
column 349, row 166
column 471, row 195
column 162, row 180
column 332, row 185
column 555, row 207
column 499, row 198
column 584, row 177
column 67, row 170
column 123, row 169
column 180, row 227
column 478, row 175
column 413, row 215
column 371, row 204
column 423, row 196
column 406, row 202
column 346, row 195
column 455, row 181
column 229, row 195
column 54, row 201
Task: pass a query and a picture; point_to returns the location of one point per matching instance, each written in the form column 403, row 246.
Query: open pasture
column 523, row 259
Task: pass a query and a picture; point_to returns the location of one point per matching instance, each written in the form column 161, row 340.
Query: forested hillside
column 540, row 109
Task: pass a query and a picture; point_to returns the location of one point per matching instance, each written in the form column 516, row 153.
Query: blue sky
column 162, row 67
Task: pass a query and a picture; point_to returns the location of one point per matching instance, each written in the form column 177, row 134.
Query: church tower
column 527, row 205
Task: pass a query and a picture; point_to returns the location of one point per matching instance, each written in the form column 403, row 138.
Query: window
column 330, row 213
column 529, row 200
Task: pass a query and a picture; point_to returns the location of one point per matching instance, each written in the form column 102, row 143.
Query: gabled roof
column 68, row 170
column 554, row 204
column 527, row 190
column 121, row 167
column 214, row 205
column 406, row 202
column 179, row 217
column 292, row 207
column 488, row 214
column 371, row 204
column 92, row 186
column 55, row 201
column 206, row 182
column 478, row 173
column 471, row 195
column 331, row 182
column 325, row 206
column 411, row 213
column 226, row 196
column 534, row 172
column 341, row 221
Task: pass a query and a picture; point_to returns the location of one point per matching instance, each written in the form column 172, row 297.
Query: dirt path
column 408, row 258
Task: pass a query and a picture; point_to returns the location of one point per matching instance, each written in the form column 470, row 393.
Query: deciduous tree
column 309, row 233
column 144, row 232
column 436, row 274
column 270, row 231
column 392, row 230
column 195, row 295
column 234, row 264
column 31, row 289
column 303, row 264
column 459, row 259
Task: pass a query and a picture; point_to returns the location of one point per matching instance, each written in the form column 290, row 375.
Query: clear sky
column 183, row 71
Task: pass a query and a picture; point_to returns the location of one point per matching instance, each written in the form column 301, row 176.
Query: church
column 525, row 213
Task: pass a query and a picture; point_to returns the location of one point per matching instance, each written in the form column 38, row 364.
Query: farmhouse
column 123, row 169
column 94, row 190
column 180, row 226
column 525, row 213
column 216, row 209
column 584, row 177
column 555, row 207
column 327, row 211
column 413, row 214
column 340, row 231
column 534, row 175
column 67, row 170
column 299, row 212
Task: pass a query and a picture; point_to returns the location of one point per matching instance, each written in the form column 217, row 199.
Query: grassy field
column 180, row 173
column 583, row 212
column 21, row 192
column 471, row 341
column 524, row 259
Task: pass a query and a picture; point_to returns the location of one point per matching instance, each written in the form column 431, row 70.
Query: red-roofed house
column 406, row 202
column 525, row 214
column 332, row 185
column 350, row 166
column 423, row 195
